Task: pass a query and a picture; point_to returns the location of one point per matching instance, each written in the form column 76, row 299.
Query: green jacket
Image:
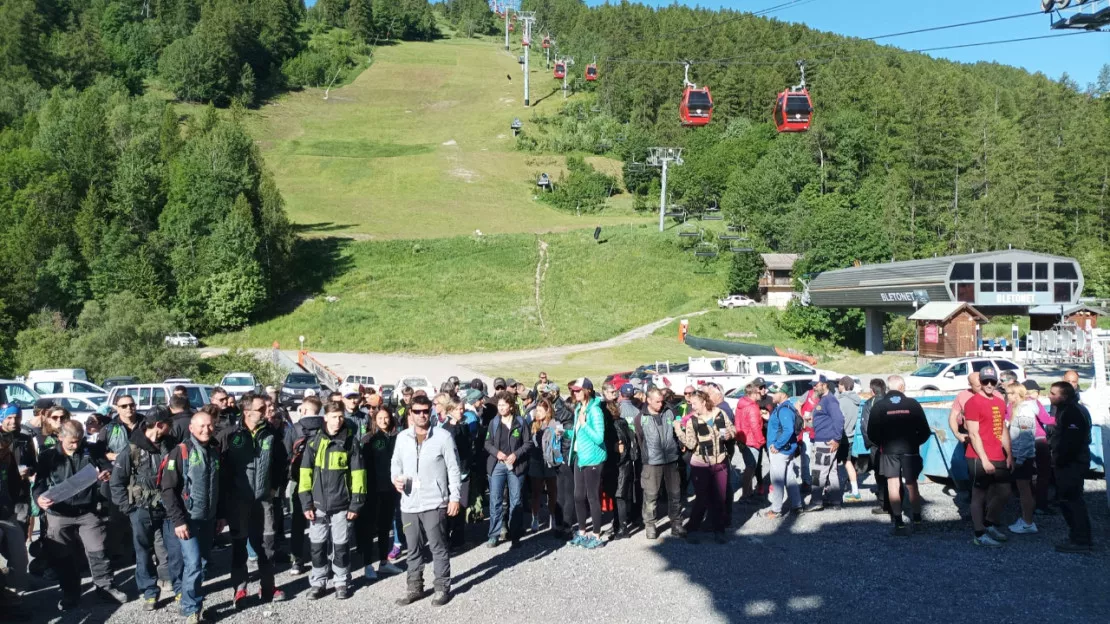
column 588, row 441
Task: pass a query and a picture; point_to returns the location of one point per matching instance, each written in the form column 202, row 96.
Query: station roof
column 779, row 261
column 941, row 311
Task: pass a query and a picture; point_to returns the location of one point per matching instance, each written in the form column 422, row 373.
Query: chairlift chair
column 705, row 250
column 712, row 217
column 735, row 249
column 690, row 232
column 728, row 237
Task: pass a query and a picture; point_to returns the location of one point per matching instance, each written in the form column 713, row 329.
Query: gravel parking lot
column 832, row 566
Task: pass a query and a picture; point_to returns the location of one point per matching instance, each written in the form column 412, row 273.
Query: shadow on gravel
column 532, row 548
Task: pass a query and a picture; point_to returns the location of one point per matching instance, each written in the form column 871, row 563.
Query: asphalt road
column 833, row 566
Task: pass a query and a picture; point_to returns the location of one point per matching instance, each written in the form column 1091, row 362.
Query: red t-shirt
column 991, row 416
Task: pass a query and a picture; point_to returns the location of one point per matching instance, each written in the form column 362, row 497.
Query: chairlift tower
column 568, row 63
column 509, row 6
column 664, row 157
column 527, row 17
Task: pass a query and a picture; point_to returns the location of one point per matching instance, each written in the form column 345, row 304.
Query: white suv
column 735, row 301
column 182, row 339
column 951, row 375
column 238, row 384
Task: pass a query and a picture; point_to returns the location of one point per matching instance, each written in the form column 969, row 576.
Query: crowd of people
column 359, row 477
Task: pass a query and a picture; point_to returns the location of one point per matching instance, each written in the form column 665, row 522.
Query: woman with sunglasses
column 587, row 456
column 52, row 422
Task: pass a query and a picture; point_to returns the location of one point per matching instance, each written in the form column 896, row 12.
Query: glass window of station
column 1036, row 282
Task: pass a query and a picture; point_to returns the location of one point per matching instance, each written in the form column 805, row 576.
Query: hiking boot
column 315, row 593
column 441, row 598
column 240, row 599
column 1073, row 547
column 341, row 592
column 900, row 530
column 414, row 593
column 650, row 532
column 678, row 530
column 274, row 595
column 389, row 568
column 369, row 574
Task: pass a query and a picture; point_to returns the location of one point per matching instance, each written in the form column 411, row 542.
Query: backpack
column 162, row 466
column 295, row 456
column 135, row 493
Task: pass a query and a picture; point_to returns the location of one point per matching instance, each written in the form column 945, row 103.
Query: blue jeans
column 144, row 525
column 194, row 553
column 502, row 474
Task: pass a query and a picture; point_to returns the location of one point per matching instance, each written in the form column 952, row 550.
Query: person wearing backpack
column 547, row 455
column 135, row 492
column 254, row 467
column 332, row 489
column 191, row 493
column 782, row 448
column 707, row 434
column 508, row 443
column 463, row 426
column 306, row 422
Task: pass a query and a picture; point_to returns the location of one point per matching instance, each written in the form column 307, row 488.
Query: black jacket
column 464, row 444
column 897, row 425
column 520, row 444
column 134, row 479
column 625, row 462
column 55, row 466
column 332, row 477
column 377, row 453
column 254, row 462
column 180, row 429
column 1070, row 440
column 865, row 421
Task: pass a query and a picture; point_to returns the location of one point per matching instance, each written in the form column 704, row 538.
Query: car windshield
column 20, row 394
column 798, row 369
column 414, row 382
column 97, row 400
column 930, row 370
column 237, row 380
column 735, row 393
column 300, row 379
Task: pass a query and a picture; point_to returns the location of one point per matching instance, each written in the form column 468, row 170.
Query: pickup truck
column 735, row 371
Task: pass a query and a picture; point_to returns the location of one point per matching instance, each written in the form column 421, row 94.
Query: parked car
column 352, row 383
column 177, row 380
column 735, row 301
column 149, row 395
column 68, row 387
column 794, row 388
column 20, row 395
column 618, row 379
column 295, row 385
column 78, row 406
column 416, row 382
column 950, row 375
column 182, row 339
column 238, row 384
column 386, row 390
column 58, row 373
column 112, row 382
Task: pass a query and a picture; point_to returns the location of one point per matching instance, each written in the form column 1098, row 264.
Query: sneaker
column 68, row 603
column 918, row 521
column 651, row 532
column 852, row 498
column 394, row 554
column 693, row 538
column 150, row 604
column 389, row 568
column 177, row 598
column 194, row 618
column 815, row 507
column 879, row 511
column 986, row 541
column 998, row 536
column 369, row 574
column 298, row 569
column 111, row 594
column 1020, row 528
column 315, row 593
column 441, row 598
column 900, row 530
column 341, row 592
column 240, row 600
column 535, row 527
column 773, row 515
column 491, row 542
column 1072, row 547
column 679, row 531
column 592, row 543
column 578, row 540
column 275, row 595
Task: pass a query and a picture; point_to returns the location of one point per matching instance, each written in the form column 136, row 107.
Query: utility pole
column 508, row 9
column 567, row 62
column 527, row 18
column 547, row 51
column 662, row 157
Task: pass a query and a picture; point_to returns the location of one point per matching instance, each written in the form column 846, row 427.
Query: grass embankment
column 757, row 325
column 469, row 294
column 419, row 146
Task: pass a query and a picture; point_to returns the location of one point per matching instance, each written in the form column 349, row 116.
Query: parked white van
column 149, row 395
column 58, row 373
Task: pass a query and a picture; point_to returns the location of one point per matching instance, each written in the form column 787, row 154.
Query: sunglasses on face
column 126, row 406
column 990, row 382
column 422, row 411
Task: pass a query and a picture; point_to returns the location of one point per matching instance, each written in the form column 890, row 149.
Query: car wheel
column 930, row 389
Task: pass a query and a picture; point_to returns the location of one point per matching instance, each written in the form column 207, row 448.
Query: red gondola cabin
column 546, row 43
column 697, row 106
column 511, row 29
column 793, row 111
column 560, row 70
column 591, row 72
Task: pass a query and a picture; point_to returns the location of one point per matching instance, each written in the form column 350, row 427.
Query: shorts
column 981, row 480
column 1024, row 471
column 906, row 466
column 844, row 451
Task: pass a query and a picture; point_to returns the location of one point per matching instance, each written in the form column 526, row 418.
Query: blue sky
column 1080, row 56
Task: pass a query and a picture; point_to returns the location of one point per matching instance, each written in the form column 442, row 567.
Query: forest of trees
column 907, row 157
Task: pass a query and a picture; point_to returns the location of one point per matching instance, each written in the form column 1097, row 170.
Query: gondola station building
column 1010, row 282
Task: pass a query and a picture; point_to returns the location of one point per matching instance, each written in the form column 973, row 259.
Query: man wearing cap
column 1043, row 458
column 828, row 431
column 135, row 492
column 989, row 460
column 782, row 447
column 23, row 454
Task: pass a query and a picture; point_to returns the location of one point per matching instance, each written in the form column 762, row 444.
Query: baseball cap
column 759, row 382
column 549, row 388
column 821, row 379
column 104, row 410
column 988, row 373
column 582, row 383
column 498, row 382
column 1032, row 385
column 8, row 411
column 779, row 387
column 510, row 383
column 41, row 404
column 627, row 390
column 473, row 395
column 351, row 395
column 158, row 414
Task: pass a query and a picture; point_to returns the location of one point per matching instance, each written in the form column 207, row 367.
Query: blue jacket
column 780, row 428
column 588, row 441
column 828, row 420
